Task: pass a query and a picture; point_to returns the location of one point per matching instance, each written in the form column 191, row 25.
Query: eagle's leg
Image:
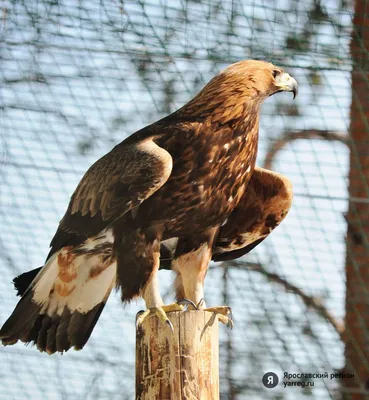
column 154, row 303
column 138, row 259
column 155, row 306
column 191, row 262
column 191, row 267
column 180, row 294
column 224, row 312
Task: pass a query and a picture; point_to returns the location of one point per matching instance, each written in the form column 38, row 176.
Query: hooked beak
column 284, row 82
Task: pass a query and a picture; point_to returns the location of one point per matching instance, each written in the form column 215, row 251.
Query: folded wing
column 62, row 301
column 264, row 205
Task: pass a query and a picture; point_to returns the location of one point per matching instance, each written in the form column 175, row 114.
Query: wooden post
column 183, row 365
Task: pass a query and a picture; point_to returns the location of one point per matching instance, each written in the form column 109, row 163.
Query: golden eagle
column 185, row 186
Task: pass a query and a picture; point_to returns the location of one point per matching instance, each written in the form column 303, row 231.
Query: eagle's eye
column 276, row 72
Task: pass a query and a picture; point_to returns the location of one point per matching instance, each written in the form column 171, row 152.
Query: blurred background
column 77, row 77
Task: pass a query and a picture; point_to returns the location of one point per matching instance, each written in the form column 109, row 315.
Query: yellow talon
column 173, row 307
column 159, row 312
column 224, row 315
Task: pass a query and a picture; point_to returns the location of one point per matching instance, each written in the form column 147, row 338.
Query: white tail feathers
column 78, row 282
column 64, row 301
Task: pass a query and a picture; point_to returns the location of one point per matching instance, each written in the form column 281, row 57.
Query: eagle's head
column 257, row 79
column 236, row 90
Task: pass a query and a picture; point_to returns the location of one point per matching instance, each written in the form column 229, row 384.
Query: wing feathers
column 114, row 185
column 135, row 171
column 262, row 208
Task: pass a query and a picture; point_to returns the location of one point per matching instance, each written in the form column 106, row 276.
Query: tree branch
column 310, row 301
column 289, row 137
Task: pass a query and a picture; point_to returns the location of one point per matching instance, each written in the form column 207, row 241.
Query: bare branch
column 289, row 137
column 310, row 301
column 39, row 78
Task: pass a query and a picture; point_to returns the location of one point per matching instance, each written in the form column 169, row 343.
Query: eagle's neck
column 237, row 108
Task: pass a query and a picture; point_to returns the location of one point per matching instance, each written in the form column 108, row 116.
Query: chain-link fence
column 77, row 77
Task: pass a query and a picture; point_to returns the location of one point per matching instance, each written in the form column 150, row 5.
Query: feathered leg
column 138, row 259
column 191, row 262
column 191, row 267
column 154, row 303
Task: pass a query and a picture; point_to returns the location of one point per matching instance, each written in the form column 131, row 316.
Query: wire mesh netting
column 77, row 77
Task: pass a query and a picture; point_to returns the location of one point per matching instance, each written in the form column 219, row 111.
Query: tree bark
column 356, row 334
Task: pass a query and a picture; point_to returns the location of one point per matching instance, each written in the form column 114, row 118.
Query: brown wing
column 262, row 208
column 264, row 205
column 61, row 304
column 114, row 185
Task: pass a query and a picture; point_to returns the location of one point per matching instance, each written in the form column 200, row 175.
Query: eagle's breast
column 230, row 168
column 212, row 165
